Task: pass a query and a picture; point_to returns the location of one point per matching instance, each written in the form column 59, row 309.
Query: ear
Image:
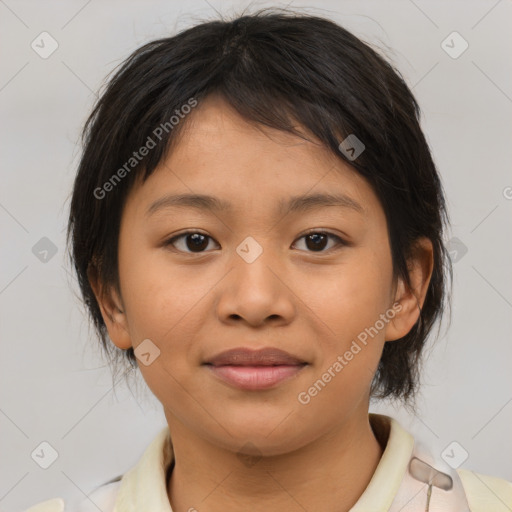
column 420, row 265
column 112, row 310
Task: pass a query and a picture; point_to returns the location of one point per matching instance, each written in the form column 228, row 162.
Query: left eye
column 196, row 241
column 317, row 240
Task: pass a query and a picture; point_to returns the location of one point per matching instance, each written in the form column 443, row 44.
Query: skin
column 312, row 304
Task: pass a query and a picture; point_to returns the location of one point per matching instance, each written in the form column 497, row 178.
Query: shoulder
column 54, row 505
column 486, row 492
column 481, row 493
column 103, row 498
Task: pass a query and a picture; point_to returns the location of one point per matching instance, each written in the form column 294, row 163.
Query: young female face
column 255, row 280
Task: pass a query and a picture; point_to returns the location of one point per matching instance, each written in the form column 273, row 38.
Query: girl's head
column 322, row 235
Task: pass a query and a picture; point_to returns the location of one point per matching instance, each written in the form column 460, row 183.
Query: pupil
column 198, row 241
column 315, row 237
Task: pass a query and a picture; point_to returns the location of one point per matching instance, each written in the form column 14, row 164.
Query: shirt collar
column 144, row 487
column 383, row 487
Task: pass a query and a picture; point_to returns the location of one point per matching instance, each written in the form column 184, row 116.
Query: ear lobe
column 111, row 310
column 420, row 266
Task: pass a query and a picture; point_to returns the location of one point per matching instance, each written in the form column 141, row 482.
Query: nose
column 256, row 291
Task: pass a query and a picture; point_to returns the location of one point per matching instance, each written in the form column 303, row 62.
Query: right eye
column 194, row 241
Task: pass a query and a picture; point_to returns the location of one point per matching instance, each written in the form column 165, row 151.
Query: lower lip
column 255, row 377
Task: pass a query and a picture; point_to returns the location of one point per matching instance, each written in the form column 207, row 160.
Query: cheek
column 354, row 336
column 350, row 308
column 350, row 297
column 161, row 298
column 168, row 305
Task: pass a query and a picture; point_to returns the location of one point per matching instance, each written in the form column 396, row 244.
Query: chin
column 257, row 433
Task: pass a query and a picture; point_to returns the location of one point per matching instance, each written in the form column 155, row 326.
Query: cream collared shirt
column 397, row 484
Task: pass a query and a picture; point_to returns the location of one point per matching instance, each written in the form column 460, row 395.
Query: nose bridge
column 254, row 256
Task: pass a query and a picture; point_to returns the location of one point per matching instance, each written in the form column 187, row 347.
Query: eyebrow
column 294, row 204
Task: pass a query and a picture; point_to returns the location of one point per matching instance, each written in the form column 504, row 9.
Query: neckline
column 146, row 484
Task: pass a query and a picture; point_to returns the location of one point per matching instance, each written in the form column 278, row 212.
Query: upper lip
column 250, row 357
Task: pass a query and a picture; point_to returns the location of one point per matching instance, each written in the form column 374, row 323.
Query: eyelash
column 341, row 241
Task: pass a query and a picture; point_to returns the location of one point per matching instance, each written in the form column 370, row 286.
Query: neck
column 329, row 474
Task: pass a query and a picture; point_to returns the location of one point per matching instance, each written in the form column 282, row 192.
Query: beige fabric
column 134, row 495
column 486, row 492
column 386, row 480
column 391, row 488
column 55, row 505
column 144, row 486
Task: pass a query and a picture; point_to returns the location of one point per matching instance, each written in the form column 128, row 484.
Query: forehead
column 221, row 154
column 215, row 130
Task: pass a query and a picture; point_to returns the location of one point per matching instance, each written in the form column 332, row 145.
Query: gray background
column 55, row 387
